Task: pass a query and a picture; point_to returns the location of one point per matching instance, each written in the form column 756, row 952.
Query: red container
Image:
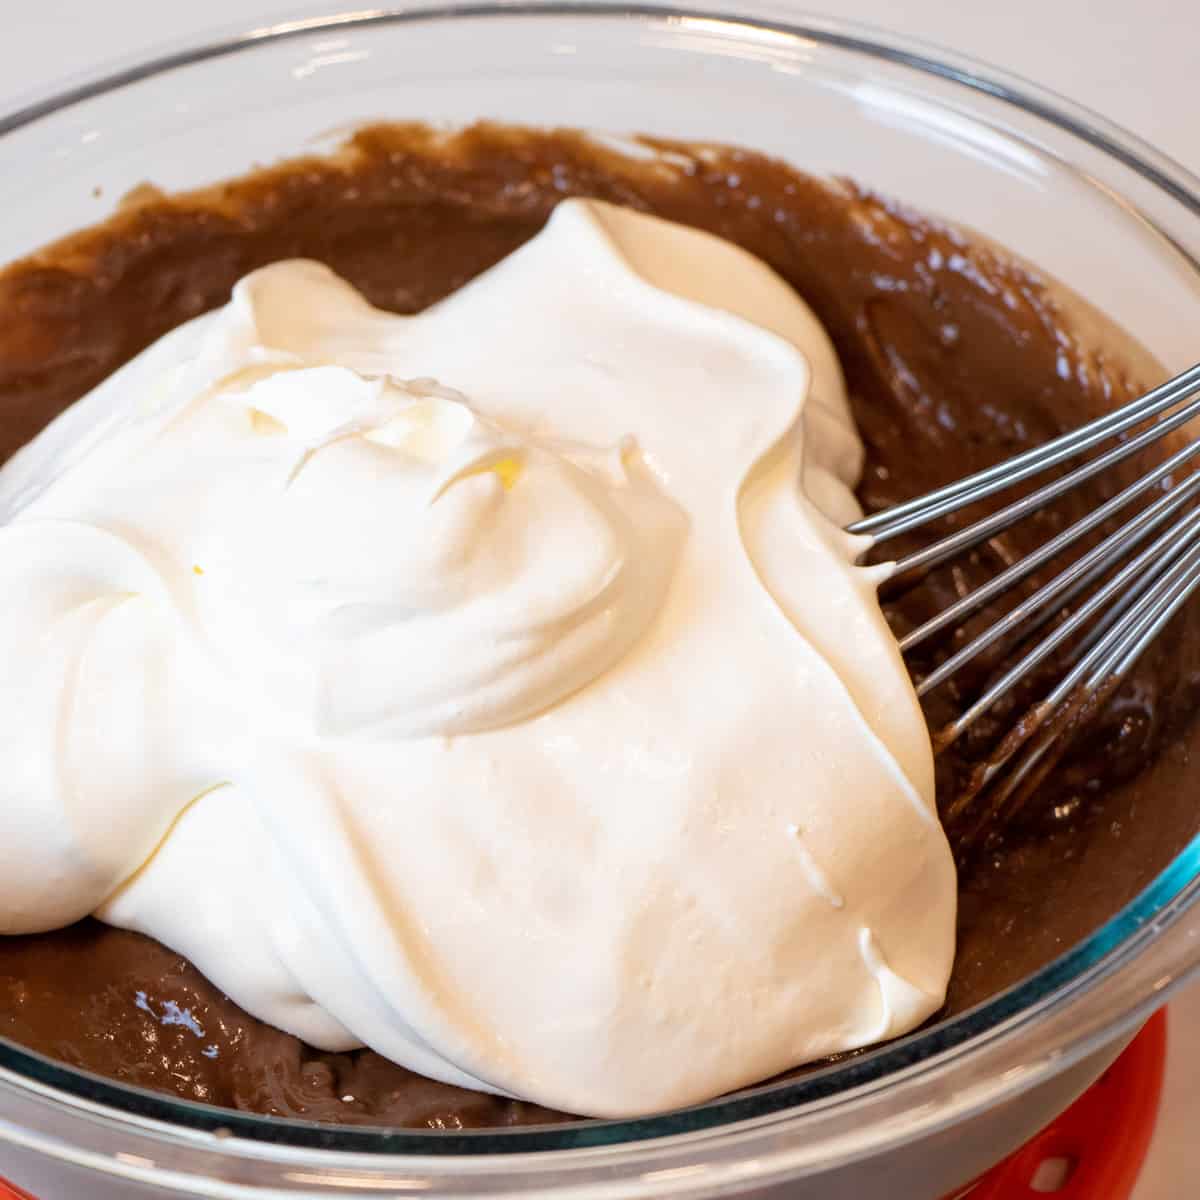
column 1099, row 1144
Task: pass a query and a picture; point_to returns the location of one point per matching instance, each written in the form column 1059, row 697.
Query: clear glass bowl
column 1105, row 213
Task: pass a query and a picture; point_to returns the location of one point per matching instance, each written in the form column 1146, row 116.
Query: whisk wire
column 911, row 514
column 1138, row 588
column 1128, row 585
column 1093, row 680
column 1025, row 566
column 981, row 530
column 1084, row 569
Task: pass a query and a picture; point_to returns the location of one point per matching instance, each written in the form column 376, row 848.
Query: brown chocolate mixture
column 955, row 357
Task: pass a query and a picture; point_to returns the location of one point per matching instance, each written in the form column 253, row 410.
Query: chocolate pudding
column 956, row 355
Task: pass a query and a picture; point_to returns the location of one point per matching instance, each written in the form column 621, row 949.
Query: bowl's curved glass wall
column 1072, row 194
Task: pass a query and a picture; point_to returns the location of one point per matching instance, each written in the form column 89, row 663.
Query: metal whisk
column 1140, row 584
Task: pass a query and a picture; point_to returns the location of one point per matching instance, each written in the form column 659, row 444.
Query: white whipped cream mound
column 531, row 726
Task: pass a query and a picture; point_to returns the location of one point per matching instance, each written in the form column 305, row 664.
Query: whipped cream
column 492, row 687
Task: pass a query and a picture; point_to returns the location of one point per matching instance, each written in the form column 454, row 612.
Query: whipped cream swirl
column 491, row 687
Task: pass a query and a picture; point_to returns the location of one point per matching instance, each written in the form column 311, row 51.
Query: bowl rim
column 1103, row 954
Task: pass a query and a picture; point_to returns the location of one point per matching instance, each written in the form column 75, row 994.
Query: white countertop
column 1134, row 63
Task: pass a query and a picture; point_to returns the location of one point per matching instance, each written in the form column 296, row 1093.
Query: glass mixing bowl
column 1088, row 202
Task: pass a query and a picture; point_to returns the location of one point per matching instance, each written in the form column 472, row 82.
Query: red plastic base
column 1101, row 1139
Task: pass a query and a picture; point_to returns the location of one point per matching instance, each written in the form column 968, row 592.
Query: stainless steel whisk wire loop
column 1146, row 584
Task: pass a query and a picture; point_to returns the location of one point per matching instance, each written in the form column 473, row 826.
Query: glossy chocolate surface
column 956, row 355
